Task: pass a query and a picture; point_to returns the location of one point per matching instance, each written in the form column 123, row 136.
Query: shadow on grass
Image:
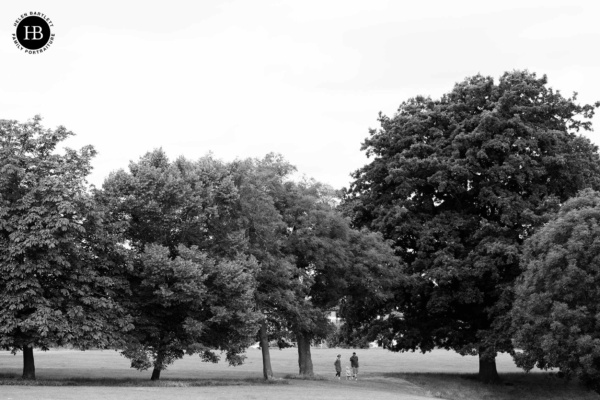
column 522, row 386
column 13, row 380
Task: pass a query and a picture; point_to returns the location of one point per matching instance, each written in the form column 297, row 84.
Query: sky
column 306, row 79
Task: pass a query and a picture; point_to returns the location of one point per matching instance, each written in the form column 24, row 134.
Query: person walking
column 354, row 364
column 338, row 366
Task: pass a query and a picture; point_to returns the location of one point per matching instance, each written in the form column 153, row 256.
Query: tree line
column 171, row 257
column 472, row 228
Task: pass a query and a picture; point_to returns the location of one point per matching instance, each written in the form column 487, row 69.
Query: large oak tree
column 458, row 184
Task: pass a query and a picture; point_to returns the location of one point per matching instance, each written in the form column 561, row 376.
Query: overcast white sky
column 302, row 78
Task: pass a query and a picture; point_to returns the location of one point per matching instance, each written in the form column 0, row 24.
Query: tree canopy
column 556, row 314
column 457, row 184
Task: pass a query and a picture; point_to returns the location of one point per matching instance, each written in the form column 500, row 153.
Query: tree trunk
column 264, row 346
column 487, row 368
column 155, row 374
column 158, row 366
column 28, row 364
column 304, row 359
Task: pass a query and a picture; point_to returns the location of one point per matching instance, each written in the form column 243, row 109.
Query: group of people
column 350, row 373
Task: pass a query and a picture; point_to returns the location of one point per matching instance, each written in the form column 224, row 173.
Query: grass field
column 384, row 375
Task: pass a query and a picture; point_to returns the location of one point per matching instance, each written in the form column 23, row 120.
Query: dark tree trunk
column 264, row 346
column 158, row 366
column 155, row 374
column 28, row 364
column 304, row 359
column 487, row 368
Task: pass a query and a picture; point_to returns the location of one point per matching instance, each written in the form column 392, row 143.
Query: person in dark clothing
column 338, row 366
column 354, row 364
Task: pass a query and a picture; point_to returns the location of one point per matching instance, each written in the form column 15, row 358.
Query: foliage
column 261, row 185
column 343, row 264
column 457, row 184
column 60, row 269
column 310, row 258
column 192, row 286
column 556, row 311
column 172, row 203
column 344, row 337
column 188, row 304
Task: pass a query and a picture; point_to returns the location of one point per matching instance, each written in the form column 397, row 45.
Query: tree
column 192, row 285
column 336, row 262
column 556, row 315
column 60, row 268
column 457, row 184
column 188, row 304
column 309, row 257
column 261, row 186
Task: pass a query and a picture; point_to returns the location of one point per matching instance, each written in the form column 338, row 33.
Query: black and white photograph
column 299, row 199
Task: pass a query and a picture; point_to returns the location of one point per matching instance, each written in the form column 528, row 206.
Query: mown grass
column 514, row 386
column 13, row 380
column 383, row 375
column 305, row 377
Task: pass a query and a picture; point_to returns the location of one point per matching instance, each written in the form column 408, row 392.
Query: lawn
column 384, row 375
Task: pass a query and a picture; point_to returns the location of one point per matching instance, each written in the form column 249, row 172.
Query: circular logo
column 33, row 34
